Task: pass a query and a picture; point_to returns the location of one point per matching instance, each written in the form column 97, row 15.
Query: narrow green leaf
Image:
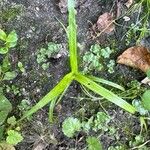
column 55, row 102
column 104, row 93
column 72, row 36
column 56, row 91
column 2, row 35
column 51, row 109
column 100, row 80
column 143, row 124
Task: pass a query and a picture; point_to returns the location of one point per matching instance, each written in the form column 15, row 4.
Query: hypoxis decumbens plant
column 75, row 74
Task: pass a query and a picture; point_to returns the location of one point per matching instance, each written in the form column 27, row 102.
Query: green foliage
column 93, row 143
column 93, row 124
column 13, row 137
column 146, row 100
column 139, row 139
column 71, row 126
column 9, row 13
column 139, row 29
column 21, row 67
column 24, row 106
column 13, row 89
column 134, row 90
column 110, row 66
column 76, row 75
column 138, row 105
column 46, row 53
column 10, row 75
column 101, row 121
column 11, row 120
column 5, row 107
column 9, row 41
column 96, row 59
column 116, row 148
column 87, row 125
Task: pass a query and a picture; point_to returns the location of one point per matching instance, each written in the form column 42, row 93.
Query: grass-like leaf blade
column 55, row 92
column 104, row 93
column 100, row 80
column 72, row 34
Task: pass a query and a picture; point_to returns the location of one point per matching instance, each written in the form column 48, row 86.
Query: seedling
column 76, row 75
column 51, row 51
column 94, row 59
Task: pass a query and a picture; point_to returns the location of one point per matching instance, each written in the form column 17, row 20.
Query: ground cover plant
column 76, row 75
column 83, row 110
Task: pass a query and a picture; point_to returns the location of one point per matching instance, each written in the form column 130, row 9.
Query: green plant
column 116, row 148
column 8, row 41
column 76, row 75
column 93, row 143
column 138, row 105
column 46, row 53
column 101, row 121
column 94, row 123
column 70, row 126
column 5, row 108
column 21, row 67
column 14, row 137
column 140, row 28
column 146, row 100
column 94, row 59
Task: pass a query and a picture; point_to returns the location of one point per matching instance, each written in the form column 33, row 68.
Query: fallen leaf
column 105, row 23
column 137, row 57
column 129, row 3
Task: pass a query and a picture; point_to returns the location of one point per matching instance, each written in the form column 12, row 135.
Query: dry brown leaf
column 129, row 3
column 137, row 57
column 105, row 23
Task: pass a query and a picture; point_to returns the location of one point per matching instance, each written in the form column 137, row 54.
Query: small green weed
column 76, row 75
column 6, row 74
column 116, row 148
column 7, row 41
column 93, row 143
column 97, row 59
column 70, row 126
column 98, row 123
column 44, row 54
column 140, row 28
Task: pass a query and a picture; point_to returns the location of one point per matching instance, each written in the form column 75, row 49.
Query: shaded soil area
column 36, row 23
